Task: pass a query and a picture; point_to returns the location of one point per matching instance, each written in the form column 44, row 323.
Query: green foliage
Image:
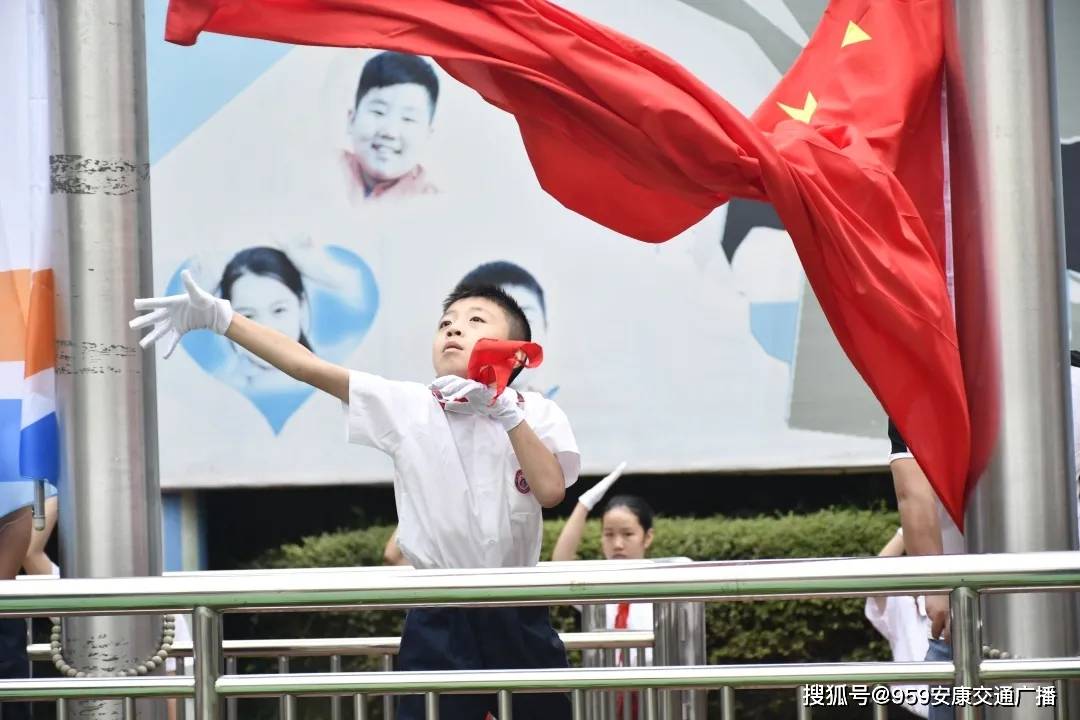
column 738, row 632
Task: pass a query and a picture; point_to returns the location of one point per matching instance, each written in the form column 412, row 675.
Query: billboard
column 338, row 195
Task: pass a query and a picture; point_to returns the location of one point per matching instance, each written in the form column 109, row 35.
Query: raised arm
column 289, row 356
column 569, row 541
column 196, row 309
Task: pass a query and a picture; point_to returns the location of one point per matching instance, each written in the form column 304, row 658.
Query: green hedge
column 738, row 632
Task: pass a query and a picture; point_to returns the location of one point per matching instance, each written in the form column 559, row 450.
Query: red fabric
column 492, row 361
column 622, row 134
column 622, row 615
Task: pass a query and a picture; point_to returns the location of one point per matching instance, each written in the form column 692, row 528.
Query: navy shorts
column 482, row 639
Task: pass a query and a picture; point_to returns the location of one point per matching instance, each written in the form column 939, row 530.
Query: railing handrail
column 372, row 646
column 544, row 566
column 547, row 680
column 607, row 582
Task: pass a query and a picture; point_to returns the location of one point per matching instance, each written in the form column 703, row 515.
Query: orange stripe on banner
column 41, row 324
column 14, row 289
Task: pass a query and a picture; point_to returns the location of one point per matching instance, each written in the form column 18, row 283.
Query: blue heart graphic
column 337, row 327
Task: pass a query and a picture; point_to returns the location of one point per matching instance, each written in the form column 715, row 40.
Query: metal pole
column 206, row 641
column 577, row 700
column 335, row 701
column 431, row 705
column 881, row 712
column 609, row 696
column 1010, row 288
column 691, row 647
column 727, row 703
column 360, row 709
column 287, row 704
column 651, row 704
column 506, row 705
column 666, row 652
column 967, row 650
column 110, row 516
column 389, row 708
column 593, row 619
column 802, row 711
column 230, row 703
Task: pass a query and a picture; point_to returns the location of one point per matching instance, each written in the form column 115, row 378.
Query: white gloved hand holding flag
column 462, row 395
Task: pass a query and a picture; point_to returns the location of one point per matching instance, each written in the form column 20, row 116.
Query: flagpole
column 1008, row 240
column 110, row 504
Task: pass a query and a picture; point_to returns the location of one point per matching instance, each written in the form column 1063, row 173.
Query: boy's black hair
column 519, row 324
column 395, row 68
column 504, row 272
column 641, row 509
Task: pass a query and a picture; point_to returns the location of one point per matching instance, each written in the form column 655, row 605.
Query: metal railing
column 384, row 648
column 208, row 596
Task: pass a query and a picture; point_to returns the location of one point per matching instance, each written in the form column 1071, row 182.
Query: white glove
column 590, row 497
column 468, row 396
column 175, row 315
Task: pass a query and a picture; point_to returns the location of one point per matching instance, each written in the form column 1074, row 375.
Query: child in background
column 626, row 534
column 903, row 621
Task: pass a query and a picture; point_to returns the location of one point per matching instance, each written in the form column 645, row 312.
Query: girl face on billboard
column 389, row 130
column 268, row 301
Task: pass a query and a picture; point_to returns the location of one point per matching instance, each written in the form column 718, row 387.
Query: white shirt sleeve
column 380, row 411
column 876, row 606
column 551, row 425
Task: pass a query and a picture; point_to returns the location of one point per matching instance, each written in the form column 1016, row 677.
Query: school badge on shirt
column 521, row 483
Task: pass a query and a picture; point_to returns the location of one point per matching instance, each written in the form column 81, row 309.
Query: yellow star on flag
column 804, row 113
column 854, row 34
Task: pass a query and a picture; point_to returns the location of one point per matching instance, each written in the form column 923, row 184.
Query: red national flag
column 492, row 362
column 847, row 149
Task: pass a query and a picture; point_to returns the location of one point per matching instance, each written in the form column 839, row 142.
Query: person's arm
column 195, row 309
column 570, row 538
column 922, row 531
column 918, row 508
column 895, row 546
column 37, row 562
column 392, row 554
column 289, row 356
column 569, row 541
column 539, row 464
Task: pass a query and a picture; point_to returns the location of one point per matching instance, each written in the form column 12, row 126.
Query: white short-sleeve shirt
column 462, row 499
column 640, row 618
column 902, row 620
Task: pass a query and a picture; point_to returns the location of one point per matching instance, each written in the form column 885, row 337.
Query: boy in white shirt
column 472, row 472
